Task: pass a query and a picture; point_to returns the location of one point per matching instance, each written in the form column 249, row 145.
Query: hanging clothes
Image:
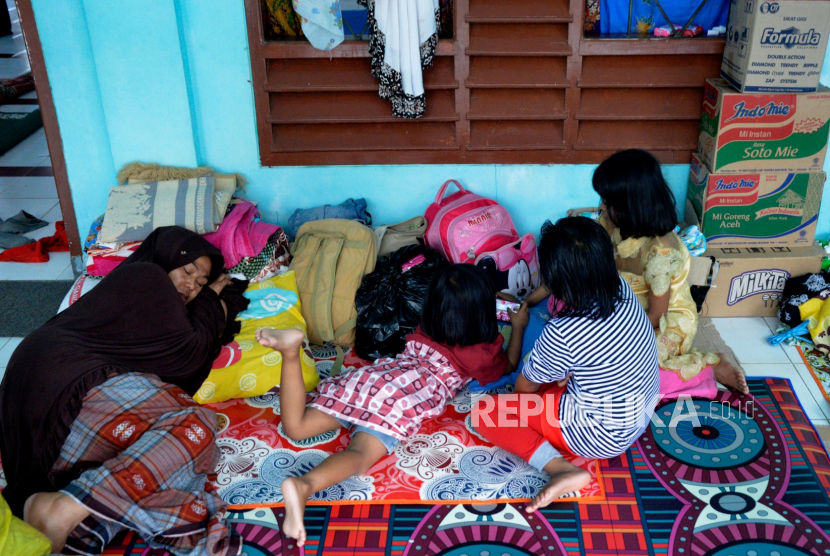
column 403, row 35
column 322, row 22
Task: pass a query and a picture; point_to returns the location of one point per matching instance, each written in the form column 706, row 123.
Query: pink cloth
column 703, row 385
column 394, row 396
column 239, row 236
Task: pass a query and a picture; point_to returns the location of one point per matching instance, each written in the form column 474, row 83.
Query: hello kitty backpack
column 464, row 225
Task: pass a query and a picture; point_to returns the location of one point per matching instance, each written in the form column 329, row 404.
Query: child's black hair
column 460, row 307
column 576, row 260
column 637, row 196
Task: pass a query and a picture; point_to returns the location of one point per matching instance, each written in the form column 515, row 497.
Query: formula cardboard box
column 775, row 46
column 750, row 280
column 768, row 132
column 755, row 208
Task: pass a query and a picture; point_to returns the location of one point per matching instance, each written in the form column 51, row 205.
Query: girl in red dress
column 458, row 341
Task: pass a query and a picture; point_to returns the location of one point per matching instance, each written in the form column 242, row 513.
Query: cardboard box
column 771, row 132
column 755, row 208
column 750, row 280
column 775, row 46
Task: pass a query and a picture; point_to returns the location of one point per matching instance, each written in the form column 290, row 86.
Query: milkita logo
column 771, row 109
column 788, row 38
column 722, row 185
column 756, row 282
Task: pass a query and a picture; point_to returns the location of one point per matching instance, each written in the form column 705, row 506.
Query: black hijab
column 172, row 247
column 133, row 321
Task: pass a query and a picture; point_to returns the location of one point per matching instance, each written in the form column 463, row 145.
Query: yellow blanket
column 245, row 368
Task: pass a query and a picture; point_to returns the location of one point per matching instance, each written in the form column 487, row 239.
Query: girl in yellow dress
column 638, row 211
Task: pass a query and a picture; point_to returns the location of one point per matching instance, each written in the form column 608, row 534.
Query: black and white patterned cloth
column 403, row 35
column 799, row 290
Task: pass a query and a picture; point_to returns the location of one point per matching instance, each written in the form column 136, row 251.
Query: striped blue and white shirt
column 614, row 377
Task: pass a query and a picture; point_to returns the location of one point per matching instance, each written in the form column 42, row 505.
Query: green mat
column 27, row 304
column 16, row 126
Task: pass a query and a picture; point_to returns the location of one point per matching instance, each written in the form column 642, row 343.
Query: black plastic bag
column 389, row 301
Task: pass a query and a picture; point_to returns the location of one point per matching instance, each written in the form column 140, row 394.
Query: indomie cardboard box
column 769, row 132
column 757, row 208
column 775, row 46
column 750, row 280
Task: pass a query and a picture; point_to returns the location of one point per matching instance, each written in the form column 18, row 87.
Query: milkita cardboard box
column 775, row 47
column 750, row 280
column 763, row 133
column 755, row 208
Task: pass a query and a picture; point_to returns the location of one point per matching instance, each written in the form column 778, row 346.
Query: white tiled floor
column 37, row 196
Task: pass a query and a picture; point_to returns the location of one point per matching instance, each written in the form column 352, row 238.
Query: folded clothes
column 350, row 209
column 241, row 234
column 134, row 211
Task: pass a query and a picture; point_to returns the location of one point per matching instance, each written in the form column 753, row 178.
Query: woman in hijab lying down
column 98, row 430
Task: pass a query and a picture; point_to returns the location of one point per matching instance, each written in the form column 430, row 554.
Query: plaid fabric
column 147, row 449
column 394, row 396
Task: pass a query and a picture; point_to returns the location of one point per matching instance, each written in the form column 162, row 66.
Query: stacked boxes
column 775, row 46
column 756, row 183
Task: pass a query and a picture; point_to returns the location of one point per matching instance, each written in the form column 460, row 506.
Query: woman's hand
column 219, row 284
column 520, row 317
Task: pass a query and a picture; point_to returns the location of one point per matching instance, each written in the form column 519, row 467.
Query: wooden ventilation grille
column 517, row 84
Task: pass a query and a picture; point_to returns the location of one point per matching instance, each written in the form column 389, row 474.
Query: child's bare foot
column 565, row 477
column 288, row 340
column 55, row 515
column 731, row 376
column 295, row 493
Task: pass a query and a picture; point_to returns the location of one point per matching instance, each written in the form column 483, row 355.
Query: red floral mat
column 744, row 476
column 447, row 461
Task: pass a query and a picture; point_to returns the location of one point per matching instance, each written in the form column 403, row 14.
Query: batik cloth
column 403, row 35
column 145, row 449
column 272, row 260
column 799, row 290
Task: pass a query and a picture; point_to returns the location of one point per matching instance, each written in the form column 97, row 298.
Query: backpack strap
column 338, row 363
column 444, row 189
column 323, row 251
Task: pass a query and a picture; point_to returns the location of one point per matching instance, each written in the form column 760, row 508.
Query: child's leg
column 298, row 421
column 565, row 477
column 729, row 375
column 362, row 453
column 526, row 439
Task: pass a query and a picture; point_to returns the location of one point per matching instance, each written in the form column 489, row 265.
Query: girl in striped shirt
column 590, row 383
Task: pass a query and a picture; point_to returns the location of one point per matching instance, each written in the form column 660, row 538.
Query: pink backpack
column 465, row 225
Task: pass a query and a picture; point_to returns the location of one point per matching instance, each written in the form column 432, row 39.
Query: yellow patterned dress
column 661, row 264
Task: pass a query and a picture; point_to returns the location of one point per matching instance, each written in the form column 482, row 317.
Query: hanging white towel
column 403, row 36
column 322, row 22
